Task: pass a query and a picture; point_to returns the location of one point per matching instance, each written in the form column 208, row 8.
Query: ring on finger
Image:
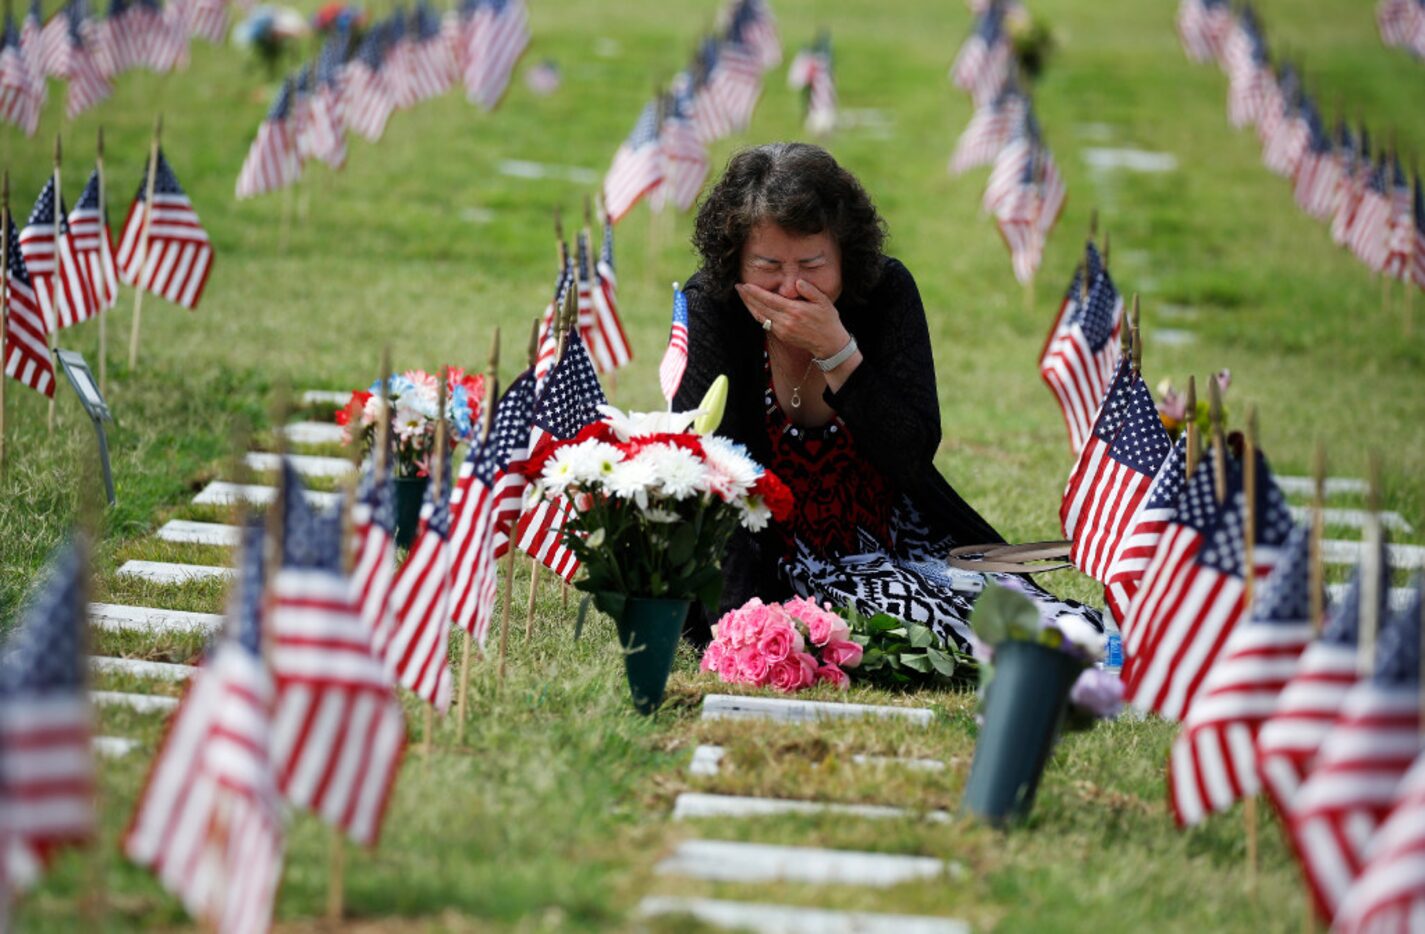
column 767, row 324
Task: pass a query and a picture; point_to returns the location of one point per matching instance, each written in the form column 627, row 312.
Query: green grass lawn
column 554, row 811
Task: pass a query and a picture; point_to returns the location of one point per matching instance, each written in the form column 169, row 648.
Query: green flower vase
column 410, row 493
column 1024, row 706
column 648, row 633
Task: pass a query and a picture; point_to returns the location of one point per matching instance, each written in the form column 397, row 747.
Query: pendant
column 796, row 399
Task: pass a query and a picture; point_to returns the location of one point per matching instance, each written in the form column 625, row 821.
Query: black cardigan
column 889, row 403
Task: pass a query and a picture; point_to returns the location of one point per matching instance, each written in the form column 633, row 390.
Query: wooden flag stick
column 1137, row 349
column 58, row 274
column 487, row 423
column 103, row 232
column 1105, row 249
column 1219, row 441
column 4, row 299
column 1371, row 572
column 1093, row 223
column 1194, row 450
column 1318, row 532
column 1249, row 539
column 141, row 254
column 437, row 483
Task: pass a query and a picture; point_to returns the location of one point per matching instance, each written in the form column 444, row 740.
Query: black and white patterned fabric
column 912, row 582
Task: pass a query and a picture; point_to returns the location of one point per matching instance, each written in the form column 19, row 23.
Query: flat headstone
column 1399, row 596
column 765, row 918
column 115, row 617
column 1352, row 518
column 223, row 493
column 690, row 805
column 728, row 861
column 1173, row 337
column 308, row 465
column 1172, row 312
column 137, row 667
column 1335, row 551
column 1335, row 486
column 114, row 747
column 735, row 707
column 325, row 397
column 537, row 171
column 707, row 760
column 141, row 703
column 313, row 433
column 167, row 572
column 1131, row 160
column 199, row 533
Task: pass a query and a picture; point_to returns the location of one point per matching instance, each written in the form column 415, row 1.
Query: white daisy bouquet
column 654, row 504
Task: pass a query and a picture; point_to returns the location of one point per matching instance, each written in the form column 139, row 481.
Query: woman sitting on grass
column 832, row 385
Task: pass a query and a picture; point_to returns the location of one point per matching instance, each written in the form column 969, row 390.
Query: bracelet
column 838, row 358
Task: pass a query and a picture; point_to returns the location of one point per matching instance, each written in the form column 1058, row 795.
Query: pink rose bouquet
column 788, row 646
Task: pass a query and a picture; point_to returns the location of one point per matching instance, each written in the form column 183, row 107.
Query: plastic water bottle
column 1113, row 647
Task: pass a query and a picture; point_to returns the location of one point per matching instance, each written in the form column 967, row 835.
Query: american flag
column 397, row 67
column 1214, row 757
column 1369, row 227
column 1350, row 789
column 589, row 328
column 735, row 82
column 83, row 62
column 499, row 34
column 675, row 358
column 167, row 36
column 1114, row 472
column 756, row 27
column 21, row 87
column 209, row 823
column 1082, row 353
column 1075, row 294
column 710, row 121
column 570, row 401
column 1287, row 136
column 1202, row 27
column 367, row 97
column 1419, row 274
column 989, row 129
column 419, row 649
column 120, row 46
column 811, row 72
column 53, row 44
column 1193, row 592
column 1136, row 549
column 514, row 423
column 27, row 357
column 93, row 245
column 548, row 347
column 326, row 128
column 638, row 165
column 1402, row 24
column 32, row 44
column 1318, row 173
column 1017, row 214
column 1400, row 233
column 1011, row 165
column 64, row 293
column 175, row 261
column 1244, row 58
column 982, row 65
column 208, row 19
column 605, row 295
column 46, row 765
column 338, row 733
column 431, row 63
column 299, row 120
column 1389, row 894
column 685, row 158
column 374, row 571
column 1354, row 157
column 272, row 159
column 476, row 503
column 1289, row 741
column 1052, row 193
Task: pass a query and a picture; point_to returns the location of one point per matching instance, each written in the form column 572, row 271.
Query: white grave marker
column 115, row 617
column 727, row 861
column 763, row 918
column 736, row 707
column 690, row 805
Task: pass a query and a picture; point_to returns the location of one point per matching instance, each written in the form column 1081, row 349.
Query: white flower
column 408, row 422
column 561, row 470
column 631, row 480
column 731, row 472
column 597, row 460
column 678, row 472
column 629, row 425
column 755, row 514
column 661, row 516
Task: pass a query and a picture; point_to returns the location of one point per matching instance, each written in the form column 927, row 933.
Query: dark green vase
column 648, row 633
column 410, row 493
column 1023, row 708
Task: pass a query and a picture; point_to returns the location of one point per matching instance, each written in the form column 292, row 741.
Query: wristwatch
column 836, row 359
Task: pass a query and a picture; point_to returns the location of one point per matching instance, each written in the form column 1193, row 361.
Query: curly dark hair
column 800, row 188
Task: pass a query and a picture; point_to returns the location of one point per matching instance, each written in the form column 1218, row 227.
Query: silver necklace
column 796, row 399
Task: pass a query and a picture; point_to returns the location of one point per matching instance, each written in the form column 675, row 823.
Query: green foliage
column 902, row 655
